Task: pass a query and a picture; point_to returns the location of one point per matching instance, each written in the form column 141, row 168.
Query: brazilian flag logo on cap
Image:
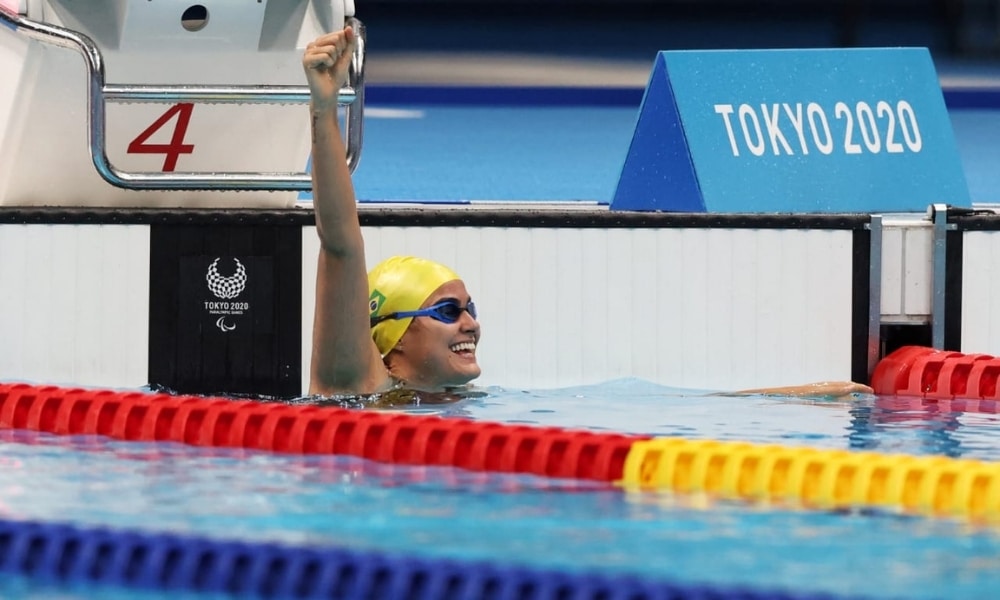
column 375, row 302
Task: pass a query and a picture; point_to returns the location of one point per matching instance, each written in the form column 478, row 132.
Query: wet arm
column 817, row 389
column 344, row 357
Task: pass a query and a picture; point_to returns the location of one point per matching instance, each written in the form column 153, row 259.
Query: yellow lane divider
column 814, row 478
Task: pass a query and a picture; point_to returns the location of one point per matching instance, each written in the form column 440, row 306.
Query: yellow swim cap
column 397, row 284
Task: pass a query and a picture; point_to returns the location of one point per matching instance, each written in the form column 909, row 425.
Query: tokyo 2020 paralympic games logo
column 225, row 287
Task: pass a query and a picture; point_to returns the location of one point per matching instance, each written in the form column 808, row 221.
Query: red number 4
column 176, row 147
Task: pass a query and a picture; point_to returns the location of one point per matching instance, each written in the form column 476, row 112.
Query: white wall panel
column 892, row 271
column 643, row 301
column 980, row 292
column 13, row 299
column 696, row 308
column 907, row 277
column 918, row 282
column 594, row 296
column 75, row 304
column 743, row 315
column 310, row 254
column 622, row 336
column 538, row 301
column 688, row 271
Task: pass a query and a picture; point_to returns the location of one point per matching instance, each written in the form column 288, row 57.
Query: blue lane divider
column 56, row 553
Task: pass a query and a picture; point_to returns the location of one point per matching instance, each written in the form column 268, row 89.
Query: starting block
column 816, row 131
column 206, row 97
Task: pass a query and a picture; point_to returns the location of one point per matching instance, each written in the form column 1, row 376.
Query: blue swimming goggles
column 448, row 311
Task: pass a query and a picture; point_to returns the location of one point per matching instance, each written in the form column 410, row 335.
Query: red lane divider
column 938, row 374
column 387, row 437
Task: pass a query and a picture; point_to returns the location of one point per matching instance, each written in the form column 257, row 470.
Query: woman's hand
column 326, row 61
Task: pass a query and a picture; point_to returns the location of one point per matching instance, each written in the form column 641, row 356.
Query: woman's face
column 436, row 354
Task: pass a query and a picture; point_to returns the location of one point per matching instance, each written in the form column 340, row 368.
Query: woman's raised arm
column 344, row 357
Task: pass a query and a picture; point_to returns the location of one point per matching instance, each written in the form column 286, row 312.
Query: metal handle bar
column 352, row 97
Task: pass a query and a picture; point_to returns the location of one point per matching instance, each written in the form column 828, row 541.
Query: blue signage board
column 822, row 130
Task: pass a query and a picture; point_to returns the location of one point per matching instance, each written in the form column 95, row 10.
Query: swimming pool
column 87, row 514
column 454, row 523
column 523, row 525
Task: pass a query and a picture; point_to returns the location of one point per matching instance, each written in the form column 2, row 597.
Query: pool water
column 570, row 525
column 491, row 153
column 860, row 422
column 19, row 587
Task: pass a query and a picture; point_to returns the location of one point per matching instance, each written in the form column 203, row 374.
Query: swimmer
column 409, row 324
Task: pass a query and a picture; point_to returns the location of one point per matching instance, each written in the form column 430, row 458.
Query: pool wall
column 116, row 297
column 567, row 297
column 975, row 260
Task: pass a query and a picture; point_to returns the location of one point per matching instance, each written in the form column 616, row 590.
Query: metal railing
column 100, row 93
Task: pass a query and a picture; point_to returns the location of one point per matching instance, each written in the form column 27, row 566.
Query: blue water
column 854, row 423
column 516, row 519
column 558, row 154
column 530, row 153
column 977, row 133
column 19, row 587
column 493, row 153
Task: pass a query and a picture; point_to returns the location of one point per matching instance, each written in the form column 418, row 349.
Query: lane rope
column 67, row 554
column 809, row 478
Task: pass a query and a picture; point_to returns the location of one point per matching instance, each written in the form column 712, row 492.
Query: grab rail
column 99, row 92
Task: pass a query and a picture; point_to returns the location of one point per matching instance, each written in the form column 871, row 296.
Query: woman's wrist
column 320, row 109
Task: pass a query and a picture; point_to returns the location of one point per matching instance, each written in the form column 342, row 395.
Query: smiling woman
column 409, row 323
column 430, row 353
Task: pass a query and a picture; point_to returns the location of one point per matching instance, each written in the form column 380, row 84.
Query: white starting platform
column 106, row 100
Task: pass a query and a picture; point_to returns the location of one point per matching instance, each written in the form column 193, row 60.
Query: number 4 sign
column 176, row 147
